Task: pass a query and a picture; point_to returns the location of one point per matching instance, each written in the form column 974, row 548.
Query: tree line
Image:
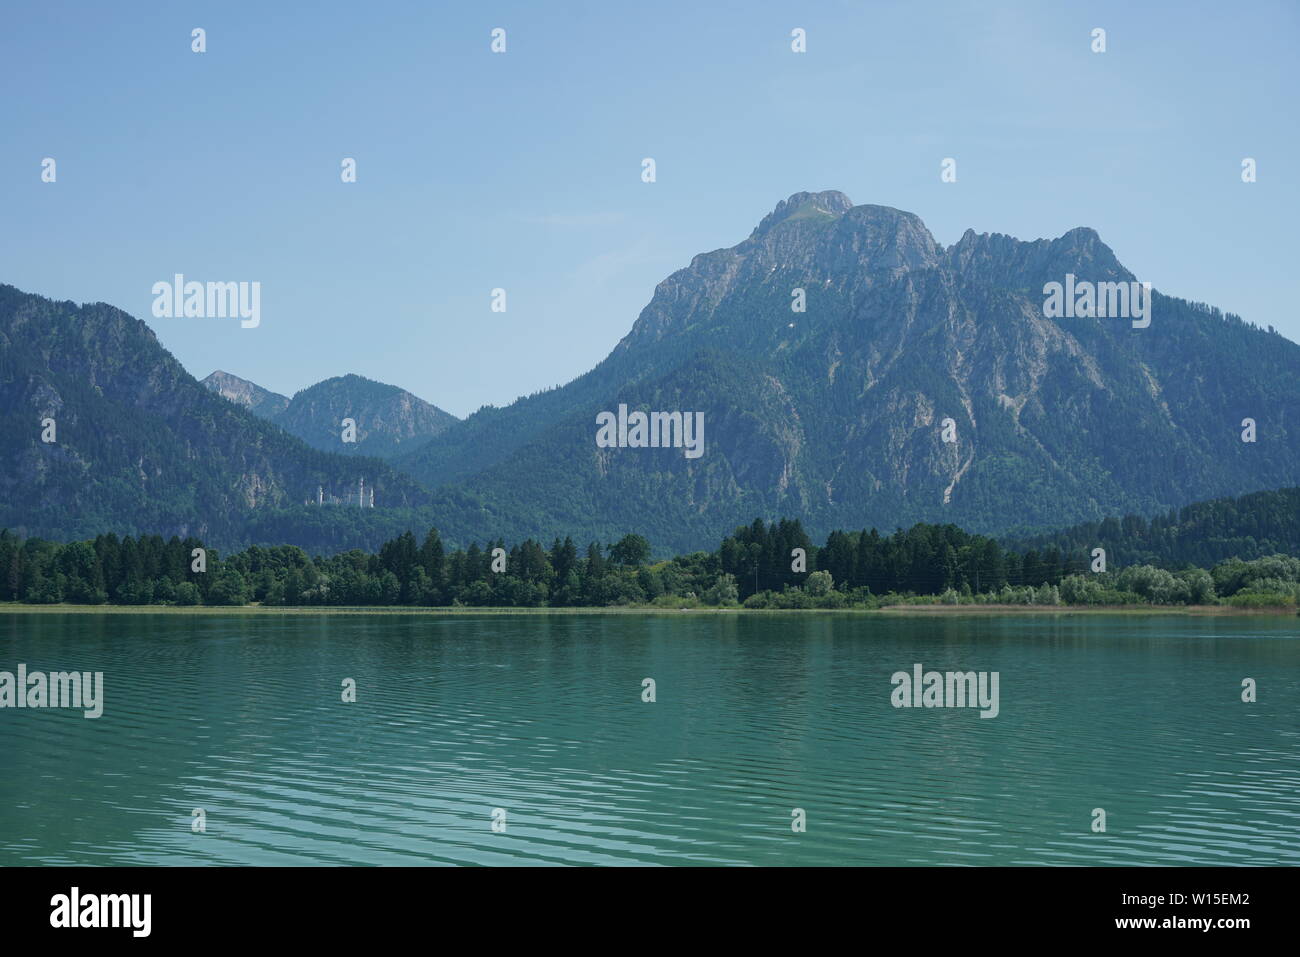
column 1201, row 534
column 762, row 565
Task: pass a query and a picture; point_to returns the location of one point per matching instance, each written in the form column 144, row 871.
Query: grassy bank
column 18, row 608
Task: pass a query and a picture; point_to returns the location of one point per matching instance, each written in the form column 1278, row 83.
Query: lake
column 459, row 718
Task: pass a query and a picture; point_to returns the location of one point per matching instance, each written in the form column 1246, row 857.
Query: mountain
column 389, row 420
column 835, row 414
column 139, row 444
column 250, row 395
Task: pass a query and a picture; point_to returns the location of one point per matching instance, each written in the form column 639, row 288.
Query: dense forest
column 761, row 565
column 1249, row 526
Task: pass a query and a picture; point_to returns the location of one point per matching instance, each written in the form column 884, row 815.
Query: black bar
column 334, row 906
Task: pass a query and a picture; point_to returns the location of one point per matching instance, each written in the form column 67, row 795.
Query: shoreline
column 17, row 608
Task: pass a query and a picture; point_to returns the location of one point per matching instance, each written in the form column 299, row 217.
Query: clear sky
column 522, row 170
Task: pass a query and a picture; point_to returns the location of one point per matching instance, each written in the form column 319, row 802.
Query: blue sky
column 522, row 170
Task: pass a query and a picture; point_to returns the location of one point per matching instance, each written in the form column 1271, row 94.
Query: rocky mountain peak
column 250, row 395
column 1005, row 260
column 824, row 206
column 863, row 237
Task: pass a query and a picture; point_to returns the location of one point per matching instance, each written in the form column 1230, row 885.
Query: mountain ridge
column 244, row 392
column 138, row 444
column 387, row 419
column 901, row 333
column 835, row 413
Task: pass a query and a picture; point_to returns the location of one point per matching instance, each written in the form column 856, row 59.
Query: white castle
column 363, row 500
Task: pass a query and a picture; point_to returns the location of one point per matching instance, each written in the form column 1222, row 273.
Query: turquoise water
column 756, row 715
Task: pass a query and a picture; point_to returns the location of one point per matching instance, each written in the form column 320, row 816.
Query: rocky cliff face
column 836, row 414
column 250, row 395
